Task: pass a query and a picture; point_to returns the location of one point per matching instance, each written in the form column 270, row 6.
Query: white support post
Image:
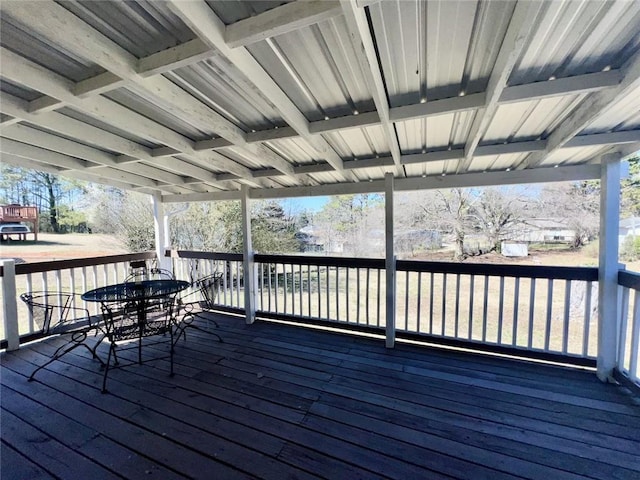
column 249, row 265
column 10, row 305
column 390, row 262
column 608, row 305
column 161, row 240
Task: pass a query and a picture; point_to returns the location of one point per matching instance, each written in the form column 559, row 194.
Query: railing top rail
column 26, row 268
column 629, row 279
column 203, row 255
column 323, row 261
column 528, row 271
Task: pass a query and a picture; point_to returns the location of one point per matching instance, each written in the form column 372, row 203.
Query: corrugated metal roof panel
column 233, row 11
column 130, row 100
column 21, row 40
column 437, row 132
column 73, row 113
column 529, row 120
column 437, row 49
column 573, row 38
column 142, row 27
column 621, row 115
column 318, row 69
column 296, row 151
column 220, row 86
column 19, row 91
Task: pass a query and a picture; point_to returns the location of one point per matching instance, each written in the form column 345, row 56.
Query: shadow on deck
column 277, row 401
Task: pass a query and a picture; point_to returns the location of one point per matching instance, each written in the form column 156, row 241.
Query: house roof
column 191, row 100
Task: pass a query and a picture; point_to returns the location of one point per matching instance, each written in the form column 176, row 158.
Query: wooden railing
column 547, row 312
column 17, row 213
column 629, row 342
column 534, row 311
column 74, row 276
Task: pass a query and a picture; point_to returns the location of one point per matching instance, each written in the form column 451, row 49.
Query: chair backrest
column 55, row 311
column 209, row 287
column 138, row 271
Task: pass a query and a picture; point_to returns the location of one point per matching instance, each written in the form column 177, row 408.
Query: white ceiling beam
column 69, row 127
column 511, row 147
column 23, row 72
column 205, row 23
column 575, row 85
column 360, row 36
column 522, row 23
column 467, row 180
column 182, row 55
column 592, row 107
column 80, row 175
column 626, row 136
column 444, row 106
column 59, row 160
column 280, row 20
column 61, row 27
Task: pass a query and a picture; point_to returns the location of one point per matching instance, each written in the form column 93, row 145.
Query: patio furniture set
column 149, row 308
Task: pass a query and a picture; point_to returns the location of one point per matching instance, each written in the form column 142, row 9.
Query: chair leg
column 106, row 368
column 56, row 356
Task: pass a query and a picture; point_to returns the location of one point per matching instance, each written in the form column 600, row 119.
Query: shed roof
column 191, row 100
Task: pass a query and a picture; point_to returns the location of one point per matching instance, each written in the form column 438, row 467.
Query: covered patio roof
column 192, row 99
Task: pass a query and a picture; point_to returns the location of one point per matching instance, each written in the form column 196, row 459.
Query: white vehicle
column 7, row 230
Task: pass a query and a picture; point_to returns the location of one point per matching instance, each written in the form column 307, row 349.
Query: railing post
column 160, row 239
column 390, row 262
column 608, row 306
column 10, row 305
column 248, row 262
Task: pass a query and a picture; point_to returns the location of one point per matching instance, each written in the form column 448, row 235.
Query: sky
column 313, row 204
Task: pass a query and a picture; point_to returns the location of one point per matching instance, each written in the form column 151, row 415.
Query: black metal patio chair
column 130, row 322
column 206, row 290
column 56, row 313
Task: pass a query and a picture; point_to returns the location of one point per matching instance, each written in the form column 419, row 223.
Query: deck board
column 280, row 401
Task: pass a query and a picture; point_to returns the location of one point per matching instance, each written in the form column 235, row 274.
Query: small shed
column 15, row 213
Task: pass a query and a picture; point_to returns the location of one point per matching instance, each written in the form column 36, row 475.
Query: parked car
column 8, row 230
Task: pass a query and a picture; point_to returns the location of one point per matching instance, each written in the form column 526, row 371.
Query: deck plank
column 280, row 401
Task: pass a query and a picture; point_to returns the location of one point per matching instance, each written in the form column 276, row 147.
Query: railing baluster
column 327, row 292
column 471, row 292
column 300, row 285
column 29, row 312
column 635, row 338
column 358, row 296
column 624, row 325
column 406, row 300
column 309, row 290
column 456, row 319
column 516, row 301
column 549, row 312
column 444, row 303
column 500, row 310
column 337, row 294
column 419, row 298
column 587, row 319
column 532, row 301
column 378, row 302
column 319, row 292
column 567, row 311
column 72, row 282
column 237, row 283
column 293, row 291
column 347, row 294
column 94, row 272
column 431, row 303
column 485, row 307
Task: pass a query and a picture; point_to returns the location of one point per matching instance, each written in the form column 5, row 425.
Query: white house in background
column 628, row 227
column 544, row 230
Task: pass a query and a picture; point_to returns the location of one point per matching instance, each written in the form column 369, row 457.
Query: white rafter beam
column 61, row 27
column 592, row 107
column 575, row 85
column 80, row 175
column 360, row 36
column 277, row 21
column 522, row 23
column 131, row 152
column 23, row 72
column 206, row 24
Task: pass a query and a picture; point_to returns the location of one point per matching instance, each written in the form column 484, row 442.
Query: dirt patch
column 52, row 246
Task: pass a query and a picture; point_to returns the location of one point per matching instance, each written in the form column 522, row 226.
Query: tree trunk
column 53, row 211
column 459, row 251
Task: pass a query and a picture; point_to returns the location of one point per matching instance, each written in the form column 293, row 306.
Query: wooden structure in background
column 18, row 214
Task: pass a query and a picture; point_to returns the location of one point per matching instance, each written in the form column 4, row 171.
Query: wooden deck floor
column 281, row 402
